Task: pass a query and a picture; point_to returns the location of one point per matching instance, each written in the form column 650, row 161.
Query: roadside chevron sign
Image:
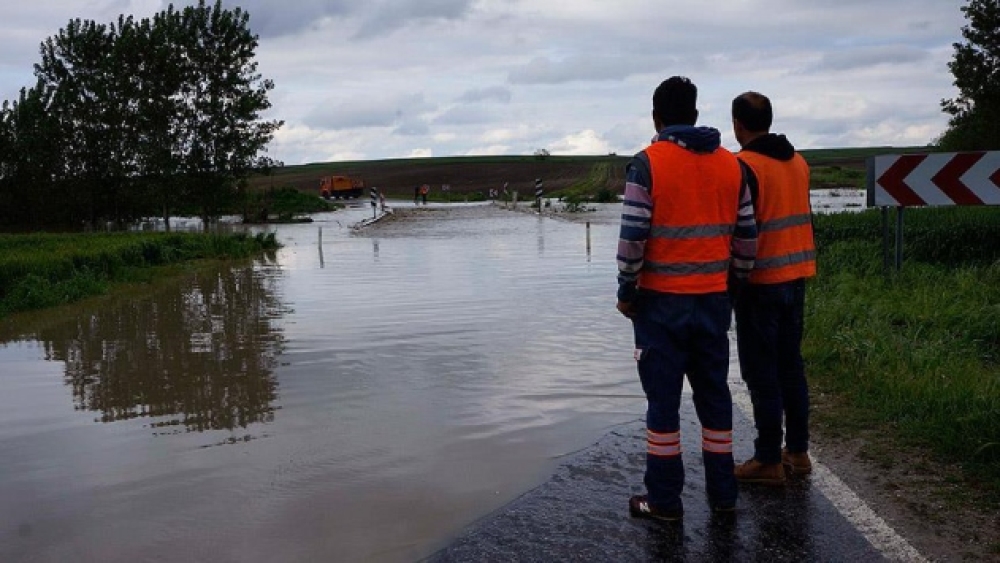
column 910, row 180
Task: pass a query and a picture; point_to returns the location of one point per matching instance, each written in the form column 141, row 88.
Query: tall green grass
column 44, row 270
column 919, row 350
column 821, row 177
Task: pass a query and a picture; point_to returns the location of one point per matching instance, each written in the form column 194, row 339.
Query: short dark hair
column 675, row 101
column 753, row 111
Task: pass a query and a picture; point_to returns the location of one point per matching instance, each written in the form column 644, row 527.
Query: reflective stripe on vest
column 695, row 203
column 785, row 247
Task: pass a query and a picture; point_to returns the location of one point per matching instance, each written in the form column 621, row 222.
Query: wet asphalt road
column 581, row 514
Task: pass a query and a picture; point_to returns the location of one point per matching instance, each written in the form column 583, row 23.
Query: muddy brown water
column 359, row 396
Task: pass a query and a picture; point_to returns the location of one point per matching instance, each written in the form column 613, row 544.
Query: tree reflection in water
column 198, row 356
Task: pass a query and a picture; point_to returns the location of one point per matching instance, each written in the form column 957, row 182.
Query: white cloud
column 583, row 143
column 420, row 153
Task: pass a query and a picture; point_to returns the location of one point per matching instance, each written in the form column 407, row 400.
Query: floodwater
column 358, row 396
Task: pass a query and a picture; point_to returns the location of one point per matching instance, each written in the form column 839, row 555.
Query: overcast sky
column 369, row 79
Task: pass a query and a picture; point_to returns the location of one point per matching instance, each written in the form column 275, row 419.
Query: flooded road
column 359, row 396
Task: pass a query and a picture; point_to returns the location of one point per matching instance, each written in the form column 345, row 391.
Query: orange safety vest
column 696, row 199
column 785, row 247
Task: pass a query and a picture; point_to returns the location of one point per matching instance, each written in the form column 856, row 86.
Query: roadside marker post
column 374, row 195
column 539, row 190
column 926, row 180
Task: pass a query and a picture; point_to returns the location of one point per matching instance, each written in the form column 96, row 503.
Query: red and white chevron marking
column 963, row 178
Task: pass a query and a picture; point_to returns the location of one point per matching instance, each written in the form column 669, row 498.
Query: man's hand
column 626, row 308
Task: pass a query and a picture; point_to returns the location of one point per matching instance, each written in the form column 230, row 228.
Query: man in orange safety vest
column 769, row 310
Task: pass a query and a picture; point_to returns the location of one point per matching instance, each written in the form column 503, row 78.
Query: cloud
column 275, row 19
column 469, row 114
column 867, row 57
column 412, row 128
column 544, row 70
column 586, row 142
column 492, row 94
column 350, row 18
column 420, row 153
column 384, row 78
column 389, row 15
column 370, row 112
column 488, row 150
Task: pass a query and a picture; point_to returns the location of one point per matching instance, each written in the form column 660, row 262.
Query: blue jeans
column 769, row 321
column 676, row 335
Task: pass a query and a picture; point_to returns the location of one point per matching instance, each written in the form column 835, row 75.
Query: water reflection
column 191, row 358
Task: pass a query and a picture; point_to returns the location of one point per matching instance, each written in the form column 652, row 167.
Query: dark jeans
column 769, row 320
column 677, row 335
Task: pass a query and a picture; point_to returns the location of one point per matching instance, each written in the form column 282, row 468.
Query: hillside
column 463, row 174
column 560, row 174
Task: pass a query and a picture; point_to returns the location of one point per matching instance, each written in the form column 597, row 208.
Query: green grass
column 283, row 204
column 44, row 270
column 594, row 186
column 821, row 177
column 826, row 157
column 919, row 351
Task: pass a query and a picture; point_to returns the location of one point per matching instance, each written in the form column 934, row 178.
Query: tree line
column 975, row 111
column 134, row 119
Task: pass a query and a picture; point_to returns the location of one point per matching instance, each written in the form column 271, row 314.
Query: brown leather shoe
column 797, row 463
column 753, row 471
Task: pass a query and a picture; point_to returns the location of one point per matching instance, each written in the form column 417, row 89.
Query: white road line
column 878, row 533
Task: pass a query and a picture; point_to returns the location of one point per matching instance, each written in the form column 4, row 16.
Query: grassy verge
column 916, row 354
column 44, row 270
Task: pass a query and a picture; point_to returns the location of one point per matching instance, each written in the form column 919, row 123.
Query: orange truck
column 336, row 187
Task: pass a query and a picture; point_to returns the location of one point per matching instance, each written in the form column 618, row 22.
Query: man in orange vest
column 769, row 310
column 687, row 225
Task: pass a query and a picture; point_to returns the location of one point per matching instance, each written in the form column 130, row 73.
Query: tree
column 975, row 112
column 150, row 117
column 30, row 161
column 74, row 77
column 221, row 100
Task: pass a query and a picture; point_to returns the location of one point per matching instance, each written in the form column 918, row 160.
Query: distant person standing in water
column 687, row 220
column 769, row 310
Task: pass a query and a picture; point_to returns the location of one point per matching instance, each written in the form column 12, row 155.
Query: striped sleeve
column 637, row 213
column 744, row 242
